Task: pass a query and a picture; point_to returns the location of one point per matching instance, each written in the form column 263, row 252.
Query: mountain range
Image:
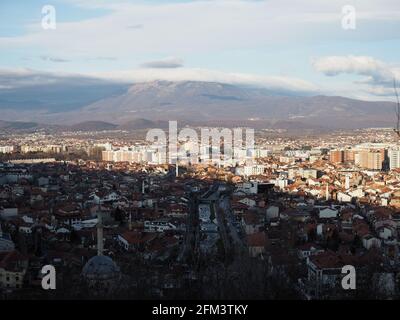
column 151, row 104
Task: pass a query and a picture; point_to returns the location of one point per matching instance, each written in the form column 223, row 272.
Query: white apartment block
column 394, row 157
column 6, row 149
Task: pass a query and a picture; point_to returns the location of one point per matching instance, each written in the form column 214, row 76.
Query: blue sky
column 280, row 44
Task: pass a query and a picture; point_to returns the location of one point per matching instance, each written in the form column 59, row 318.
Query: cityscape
column 199, row 151
column 281, row 227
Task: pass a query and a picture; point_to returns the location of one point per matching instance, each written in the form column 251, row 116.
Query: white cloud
column 198, row 26
column 167, row 63
column 377, row 76
column 375, row 70
column 53, row 59
column 26, row 77
column 276, row 83
column 20, row 78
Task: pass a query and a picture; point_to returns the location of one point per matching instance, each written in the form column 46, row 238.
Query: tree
column 312, row 235
column 119, row 215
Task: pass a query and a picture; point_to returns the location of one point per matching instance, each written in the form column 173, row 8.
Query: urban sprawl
column 279, row 221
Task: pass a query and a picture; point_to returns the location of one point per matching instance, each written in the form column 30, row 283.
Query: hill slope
column 209, row 102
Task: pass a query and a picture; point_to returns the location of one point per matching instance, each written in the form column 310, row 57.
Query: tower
column 99, row 233
column 177, row 170
column 347, row 182
column 327, row 192
column 101, row 273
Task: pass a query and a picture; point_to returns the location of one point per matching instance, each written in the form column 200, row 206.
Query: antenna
column 397, row 129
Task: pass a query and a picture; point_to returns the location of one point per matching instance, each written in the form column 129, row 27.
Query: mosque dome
column 100, row 268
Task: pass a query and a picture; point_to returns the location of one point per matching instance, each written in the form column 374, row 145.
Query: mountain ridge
column 203, row 102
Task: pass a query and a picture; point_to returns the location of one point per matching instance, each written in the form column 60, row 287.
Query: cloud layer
column 193, row 26
column 28, row 78
column 376, row 70
column 167, row 63
column 277, row 84
column 377, row 76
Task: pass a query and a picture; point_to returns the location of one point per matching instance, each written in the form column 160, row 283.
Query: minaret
column 99, row 232
column 327, row 192
column 143, row 186
column 347, row 182
column 177, row 169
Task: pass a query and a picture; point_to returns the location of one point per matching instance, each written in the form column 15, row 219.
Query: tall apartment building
column 394, row 158
column 253, row 170
column 349, row 155
column 370, row 159
column 45, row 148
column 336, row 156
column 122, row 156
column 6, row 149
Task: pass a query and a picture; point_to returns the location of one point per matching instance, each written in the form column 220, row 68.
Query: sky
column 298, row 46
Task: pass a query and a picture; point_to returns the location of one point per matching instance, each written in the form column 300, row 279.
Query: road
column 191, row 238
column 225, row 205
column 222, row 229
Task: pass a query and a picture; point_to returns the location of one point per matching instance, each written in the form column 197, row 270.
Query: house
column 25, row 228
column 158, row 226
column 386, row 232
column 343, row 197
column 324, row 273
column 68, row 214
column 208, row 227
column 6, row 213
column 248, row 201
column 6, row 244
column 309, row 249
column 298, row 214
column 247, row 188
column 272, row 212
column 251, row 222
column 256, row 243
column 370, row 241
column 13, row 267
column 326, row 213
column 177, row 210
column 135, row 240
column 43, row 181
column 238, row 208
column 204, row 212
column 104, row 196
